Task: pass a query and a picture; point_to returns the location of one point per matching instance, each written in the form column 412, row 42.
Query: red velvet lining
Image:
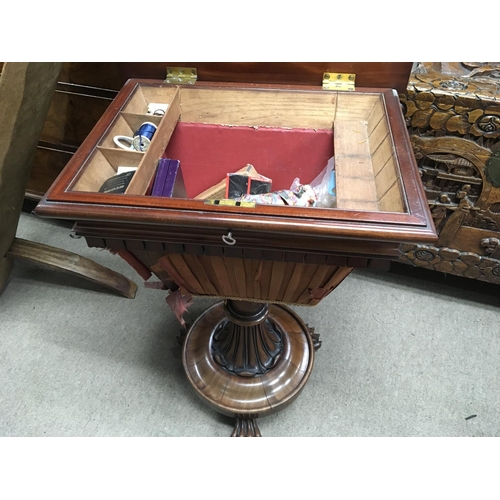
column 208, row 152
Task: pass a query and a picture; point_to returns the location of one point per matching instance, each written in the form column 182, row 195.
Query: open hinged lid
column 383, row 75
column 285, row 131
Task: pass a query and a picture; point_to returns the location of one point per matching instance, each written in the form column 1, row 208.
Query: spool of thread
column 143, row 136
column 141, row 140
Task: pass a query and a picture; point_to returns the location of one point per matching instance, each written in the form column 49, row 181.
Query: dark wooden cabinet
column 83, row 92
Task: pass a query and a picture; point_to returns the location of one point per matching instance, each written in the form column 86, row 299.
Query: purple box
column 168, row 187
column 169, row 181
column 161, row 176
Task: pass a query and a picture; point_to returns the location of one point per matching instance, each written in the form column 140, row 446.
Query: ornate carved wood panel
column 452, row 112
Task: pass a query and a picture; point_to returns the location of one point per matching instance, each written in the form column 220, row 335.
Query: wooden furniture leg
column 73, row 263
column 248, row 360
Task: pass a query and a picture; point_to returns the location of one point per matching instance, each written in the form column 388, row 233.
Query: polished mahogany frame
column 307, row 229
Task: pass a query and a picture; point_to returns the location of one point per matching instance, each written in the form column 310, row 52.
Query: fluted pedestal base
column 248, row 360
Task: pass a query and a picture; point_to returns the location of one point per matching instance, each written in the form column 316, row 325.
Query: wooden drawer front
column 208, row 241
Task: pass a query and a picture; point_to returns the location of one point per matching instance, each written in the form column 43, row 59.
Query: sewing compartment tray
column 285, row 132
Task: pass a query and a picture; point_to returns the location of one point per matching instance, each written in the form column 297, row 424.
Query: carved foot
column 315, row 337
column 246, row 426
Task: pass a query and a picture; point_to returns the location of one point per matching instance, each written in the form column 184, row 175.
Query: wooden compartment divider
column 353, row 166
column 120, row 157
column 135, row 120
column 145, row 94
column 266, row 108
column 98, row 169
column 366, row 168
column 144, row 175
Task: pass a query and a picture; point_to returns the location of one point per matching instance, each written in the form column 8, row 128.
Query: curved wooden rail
column 73, row 263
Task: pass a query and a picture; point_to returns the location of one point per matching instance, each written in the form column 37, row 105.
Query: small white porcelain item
column 157, row 108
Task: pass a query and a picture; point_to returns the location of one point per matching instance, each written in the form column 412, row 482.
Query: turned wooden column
column 248, row 343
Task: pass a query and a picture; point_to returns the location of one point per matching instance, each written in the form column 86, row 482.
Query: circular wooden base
column 246, row 397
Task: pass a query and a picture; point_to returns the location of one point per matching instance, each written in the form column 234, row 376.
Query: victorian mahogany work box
column 250, row 355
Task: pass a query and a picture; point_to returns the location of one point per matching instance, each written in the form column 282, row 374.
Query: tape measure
column 231, row 203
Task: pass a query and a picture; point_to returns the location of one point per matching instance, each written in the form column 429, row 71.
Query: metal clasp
column 228, row 239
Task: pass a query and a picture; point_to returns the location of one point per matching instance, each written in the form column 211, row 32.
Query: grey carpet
column 405, row 353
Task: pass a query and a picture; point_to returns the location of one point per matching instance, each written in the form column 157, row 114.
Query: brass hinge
column 181, row 76
column 339, row 81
